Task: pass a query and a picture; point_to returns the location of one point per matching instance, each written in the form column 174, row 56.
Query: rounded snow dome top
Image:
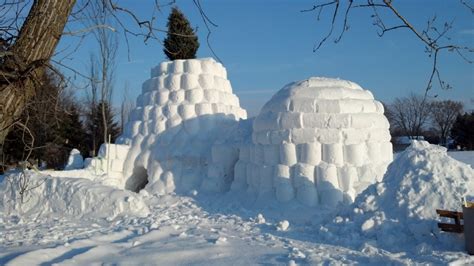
column 319, row 140
column 316, row 95
column 340, row 108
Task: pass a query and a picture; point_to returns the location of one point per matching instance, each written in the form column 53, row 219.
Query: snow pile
column 75, row 160
column 183, row 108
column 320, row 140
column 74, row 197
column 421, row 179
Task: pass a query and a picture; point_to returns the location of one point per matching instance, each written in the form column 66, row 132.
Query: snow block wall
column 183, row 108
column 320, row 141
column 109, row 161
column 224, row 155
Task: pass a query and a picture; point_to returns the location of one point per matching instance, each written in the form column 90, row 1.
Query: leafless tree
column 103, row 64
column 443, row 114
column 31, row 131
column 434, row 36
column 92, row 98
column 21, row 183
column 31, row 29
column 27, row 53
column 126, row 106
column 29, row 33
column 409, row 114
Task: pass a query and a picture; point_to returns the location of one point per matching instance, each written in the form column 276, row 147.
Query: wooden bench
column 457, row 227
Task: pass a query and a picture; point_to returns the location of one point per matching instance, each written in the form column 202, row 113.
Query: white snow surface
column 67, row 197
column 320, row 141
column 401, row 210
column 463, row 156
column 391, row 222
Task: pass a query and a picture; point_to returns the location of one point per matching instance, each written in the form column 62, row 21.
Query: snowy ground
column 183, row 230
column 466, row 157
column 215, row 229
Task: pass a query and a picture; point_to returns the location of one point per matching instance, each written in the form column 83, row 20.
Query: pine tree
column 69, row 133
column 95, row 128
column 181, row 42
column 51, row 123
column 463, row 130
column 73, row 132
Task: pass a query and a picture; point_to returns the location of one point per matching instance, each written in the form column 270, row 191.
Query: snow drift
column 74, row 197
column 403, row 206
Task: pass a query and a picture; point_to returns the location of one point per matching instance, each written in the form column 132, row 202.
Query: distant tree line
column 435, row 120
column 53, row 123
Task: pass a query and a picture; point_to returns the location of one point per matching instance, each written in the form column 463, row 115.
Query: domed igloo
column 182, row 109
column 320, row 140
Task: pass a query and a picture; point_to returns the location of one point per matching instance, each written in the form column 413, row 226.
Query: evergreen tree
column 73, row 132
column 69, row 133
column 463, row 130
column 181, row 42
column 95, row 128
column 49, row 127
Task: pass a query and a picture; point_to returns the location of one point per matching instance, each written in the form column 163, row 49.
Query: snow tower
column 184, row 107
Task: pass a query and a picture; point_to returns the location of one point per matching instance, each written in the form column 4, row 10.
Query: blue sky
column 267, row 44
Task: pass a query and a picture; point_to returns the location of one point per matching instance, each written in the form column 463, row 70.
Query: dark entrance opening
column 138, row 180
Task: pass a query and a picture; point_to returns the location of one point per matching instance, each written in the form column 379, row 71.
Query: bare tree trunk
column 103, row 69
column 105, row 89
column 93, row 103
column 25, row 61
column 125, row 107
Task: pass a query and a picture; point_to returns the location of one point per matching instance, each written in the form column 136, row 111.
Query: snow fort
column 319, row 141
column 184, row 107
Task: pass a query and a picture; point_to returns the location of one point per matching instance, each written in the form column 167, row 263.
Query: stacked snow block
column 224, row 154
column 113, row 154
column 320, row 141
column 110, row 161
column 183, row 107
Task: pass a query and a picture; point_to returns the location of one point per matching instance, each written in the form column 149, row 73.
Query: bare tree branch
column 89, row 29
column 207, row 21
column 470, row 7
column 431, row 36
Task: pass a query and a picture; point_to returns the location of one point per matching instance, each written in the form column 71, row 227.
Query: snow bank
column 402, row 208
column 74, row 197
column 184, row 107
column 422, row 179
column 320, row 141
